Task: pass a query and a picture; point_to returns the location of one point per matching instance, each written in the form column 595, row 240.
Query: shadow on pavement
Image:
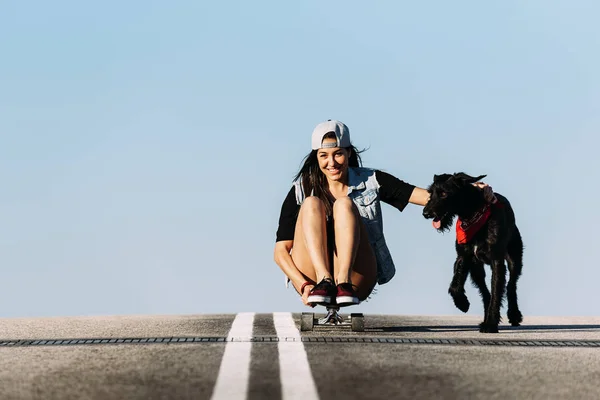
column 475, row 328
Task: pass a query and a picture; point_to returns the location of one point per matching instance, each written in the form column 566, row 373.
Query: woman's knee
column 344, row 205
column 312, row 209
column 313, row 204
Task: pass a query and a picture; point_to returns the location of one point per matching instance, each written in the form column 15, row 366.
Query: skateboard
column 309, row 321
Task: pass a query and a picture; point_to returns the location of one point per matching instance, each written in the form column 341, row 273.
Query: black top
column 392, row 191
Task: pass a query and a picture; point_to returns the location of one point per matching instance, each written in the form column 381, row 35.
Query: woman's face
column 333, row 161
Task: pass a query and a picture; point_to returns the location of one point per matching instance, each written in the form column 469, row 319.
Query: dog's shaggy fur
column 498, row 240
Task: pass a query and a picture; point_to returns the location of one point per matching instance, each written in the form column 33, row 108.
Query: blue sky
column 146, row 147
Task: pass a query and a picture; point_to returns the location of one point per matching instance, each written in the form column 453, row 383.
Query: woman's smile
column 333, row 161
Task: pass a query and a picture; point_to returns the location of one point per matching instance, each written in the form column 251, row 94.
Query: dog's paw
column 488, row 328
column 461, row 302
column 515, row 317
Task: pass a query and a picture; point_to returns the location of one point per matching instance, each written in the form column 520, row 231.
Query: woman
column 330, row 241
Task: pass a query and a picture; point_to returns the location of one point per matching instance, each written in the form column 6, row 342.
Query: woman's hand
column 488, row 192
column 305, row 294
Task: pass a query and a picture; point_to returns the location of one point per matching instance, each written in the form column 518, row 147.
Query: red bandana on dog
column 465, row 230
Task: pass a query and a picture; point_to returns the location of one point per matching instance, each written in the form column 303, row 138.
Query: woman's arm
column 284, row 260
column 285, row 241
column 419, row 196
column 286, row 263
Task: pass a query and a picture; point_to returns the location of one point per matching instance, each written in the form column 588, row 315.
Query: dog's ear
column 477, row 179
column 468, row 178
column 441, row 178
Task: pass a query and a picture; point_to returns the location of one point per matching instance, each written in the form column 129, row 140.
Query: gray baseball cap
column 342, row 134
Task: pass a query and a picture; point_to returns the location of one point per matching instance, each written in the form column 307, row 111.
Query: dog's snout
column 427, row 213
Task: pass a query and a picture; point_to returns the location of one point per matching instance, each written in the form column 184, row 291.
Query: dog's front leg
column 457, row 286
column 490, row 324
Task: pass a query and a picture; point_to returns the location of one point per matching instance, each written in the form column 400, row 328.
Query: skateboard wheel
column 307, row 321
column 358, row 322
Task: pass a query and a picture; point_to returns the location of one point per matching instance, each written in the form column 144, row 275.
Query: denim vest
column 363, row 189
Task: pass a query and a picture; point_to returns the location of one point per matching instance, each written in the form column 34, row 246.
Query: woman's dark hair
column 315, row 182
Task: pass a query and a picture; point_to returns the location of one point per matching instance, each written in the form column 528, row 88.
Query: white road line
column 296, row 378
column 232, row 381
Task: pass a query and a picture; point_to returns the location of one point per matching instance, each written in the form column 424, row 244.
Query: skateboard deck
column 356, row 321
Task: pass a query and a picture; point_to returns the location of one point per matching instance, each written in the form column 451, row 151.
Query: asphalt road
column 397, row 357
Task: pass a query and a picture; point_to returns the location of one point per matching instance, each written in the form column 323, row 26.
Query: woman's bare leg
column 354, row 259
column 353, row 255
column 347, row 237
column 310, row 252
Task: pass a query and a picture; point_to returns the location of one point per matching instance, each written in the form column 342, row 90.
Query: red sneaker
column 346, row 295
column 323, row 293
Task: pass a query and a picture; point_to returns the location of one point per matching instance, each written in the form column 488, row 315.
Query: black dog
column 486, row 234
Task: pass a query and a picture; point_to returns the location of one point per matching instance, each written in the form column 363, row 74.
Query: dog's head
column 447, row 197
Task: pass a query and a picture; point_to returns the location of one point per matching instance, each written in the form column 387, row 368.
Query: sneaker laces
column 325, row 283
